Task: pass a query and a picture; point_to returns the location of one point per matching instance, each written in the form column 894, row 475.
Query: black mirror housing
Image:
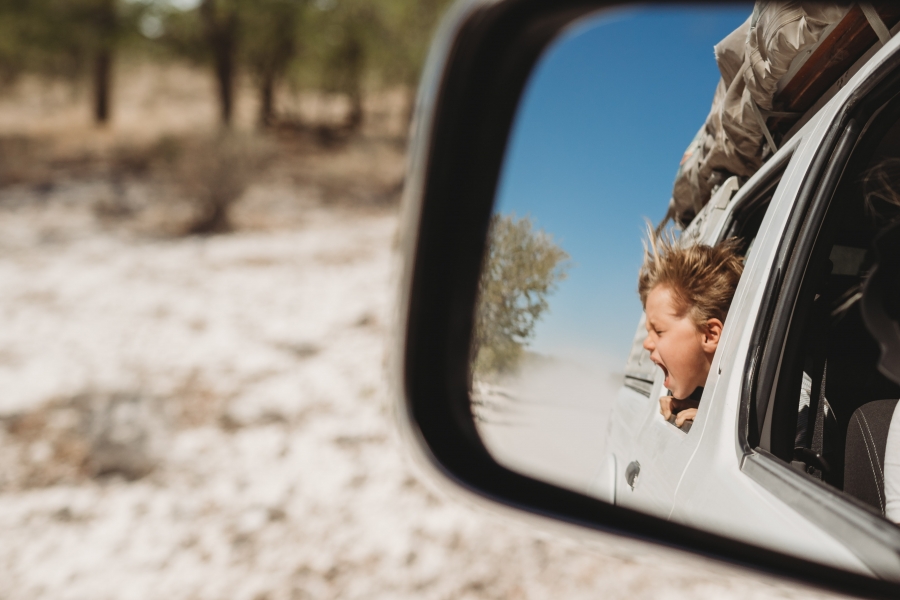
column 475, row 75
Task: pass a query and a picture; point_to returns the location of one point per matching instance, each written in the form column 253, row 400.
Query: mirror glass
column 592, row 157
column 572, row 384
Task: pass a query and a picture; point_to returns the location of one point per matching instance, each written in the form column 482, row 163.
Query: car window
column 745, row 210
column 748, row 215
column 829, row 366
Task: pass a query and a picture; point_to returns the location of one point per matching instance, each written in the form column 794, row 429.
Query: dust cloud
column 550, row 418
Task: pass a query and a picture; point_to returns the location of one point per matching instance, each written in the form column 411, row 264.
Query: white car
column 750, row 463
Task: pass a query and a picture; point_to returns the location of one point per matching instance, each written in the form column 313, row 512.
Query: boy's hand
column 687, row 414
column 684, row 410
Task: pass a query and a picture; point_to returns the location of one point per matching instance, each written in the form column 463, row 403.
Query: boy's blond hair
column 702, row 279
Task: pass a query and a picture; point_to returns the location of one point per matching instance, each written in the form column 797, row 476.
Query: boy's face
column 682, row 350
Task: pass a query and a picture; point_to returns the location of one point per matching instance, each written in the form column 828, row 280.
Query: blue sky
column 598, row 136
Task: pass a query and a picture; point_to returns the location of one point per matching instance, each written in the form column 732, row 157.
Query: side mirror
column 471, row 132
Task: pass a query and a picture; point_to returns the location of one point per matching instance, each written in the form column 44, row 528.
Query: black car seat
column 865, row 450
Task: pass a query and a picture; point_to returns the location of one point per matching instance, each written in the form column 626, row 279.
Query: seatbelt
column 812, row 454
column 818, row 436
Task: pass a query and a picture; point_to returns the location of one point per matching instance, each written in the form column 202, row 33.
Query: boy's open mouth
column 666, row 373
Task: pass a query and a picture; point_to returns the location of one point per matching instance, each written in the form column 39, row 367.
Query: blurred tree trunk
column 105, row 20
column 221, row 35
column 353, row 61
column 267, row 99
column 270, row 46
column 102, row 64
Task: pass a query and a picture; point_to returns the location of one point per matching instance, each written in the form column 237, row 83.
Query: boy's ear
column 711, row 335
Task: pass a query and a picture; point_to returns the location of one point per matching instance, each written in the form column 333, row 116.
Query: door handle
column 631, row 473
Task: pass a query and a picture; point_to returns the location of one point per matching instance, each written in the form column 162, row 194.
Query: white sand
column 248, row 370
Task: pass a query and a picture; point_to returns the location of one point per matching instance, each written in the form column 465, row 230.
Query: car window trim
column 759, row 370
column 862, row 531
column 795, row 278
column 768, row 331
column 745, row 201
column 639, row 385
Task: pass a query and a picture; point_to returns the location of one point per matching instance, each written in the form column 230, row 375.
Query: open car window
column 733, row 211
column 831, row 405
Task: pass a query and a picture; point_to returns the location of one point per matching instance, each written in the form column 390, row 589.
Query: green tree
column 208, row 34
column 256, row 37
column 355, row 45
column 67, row 38
column 220, row 20
column 408, row 31
column 342, row 35
column 521, row 269
column 15, row 39
column 269, row 44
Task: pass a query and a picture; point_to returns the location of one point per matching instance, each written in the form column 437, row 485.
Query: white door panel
column 714, row 493
column 663, row 451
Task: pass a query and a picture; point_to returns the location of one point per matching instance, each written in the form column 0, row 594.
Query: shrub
column 214, row 172
column 522, row 267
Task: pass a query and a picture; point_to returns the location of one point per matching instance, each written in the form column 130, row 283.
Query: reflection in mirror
column 596, row 141
column 640, row 399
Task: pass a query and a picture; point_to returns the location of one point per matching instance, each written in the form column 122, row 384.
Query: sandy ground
column 209, row 417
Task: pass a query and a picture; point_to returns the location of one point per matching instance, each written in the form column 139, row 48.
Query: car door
column 747, row 464
column 696, row 476
column 650, row 454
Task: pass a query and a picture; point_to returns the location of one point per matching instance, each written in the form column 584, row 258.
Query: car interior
column 747, row 218
column 832, row 407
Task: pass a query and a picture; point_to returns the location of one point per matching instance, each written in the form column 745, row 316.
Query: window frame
column 855, row 525
column 640, row 373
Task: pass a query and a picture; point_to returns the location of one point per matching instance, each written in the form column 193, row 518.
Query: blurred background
column 198, row 224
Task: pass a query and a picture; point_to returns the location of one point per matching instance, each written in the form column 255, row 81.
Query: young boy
column 686, row 292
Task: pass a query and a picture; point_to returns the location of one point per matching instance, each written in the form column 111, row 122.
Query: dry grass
column 169, row 169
